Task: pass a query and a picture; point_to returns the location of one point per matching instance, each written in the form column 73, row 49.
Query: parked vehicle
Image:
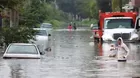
column 41, row 39
column 22, row 50
column 113, row 25
column 48, row 27
column 94, row 29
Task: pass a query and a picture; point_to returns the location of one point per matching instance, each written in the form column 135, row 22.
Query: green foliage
column 116, row 4
column 55, row 16
column 33, row 14
column 87, row 22
column 56, row 23
column 83, row 8
column 104, row 5
column 68, row 5
column 16, row 34
column 53, row 13
column 12, row 4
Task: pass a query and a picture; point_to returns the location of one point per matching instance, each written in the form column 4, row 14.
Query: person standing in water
column 74, row 26
column 70, row 27
column 122, row 50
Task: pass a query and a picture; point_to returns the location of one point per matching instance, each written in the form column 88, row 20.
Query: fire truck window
column 118, row 23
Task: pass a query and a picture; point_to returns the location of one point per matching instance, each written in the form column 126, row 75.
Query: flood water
column 74, row 55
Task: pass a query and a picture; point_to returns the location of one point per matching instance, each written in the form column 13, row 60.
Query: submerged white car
column 48, row 27
column 22, row 50
column 41, row 39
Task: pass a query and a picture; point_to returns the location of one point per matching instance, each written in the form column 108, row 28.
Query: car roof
column 22, row 44
column 47, row 23
column 39, row 28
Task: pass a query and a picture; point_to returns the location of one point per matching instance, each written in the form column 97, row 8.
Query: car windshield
column 22, row 49
column 41, row 32
column 46, row 26
column 118, row 23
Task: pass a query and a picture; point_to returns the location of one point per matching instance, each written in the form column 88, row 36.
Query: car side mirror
column 42, row 53
column 49, row 34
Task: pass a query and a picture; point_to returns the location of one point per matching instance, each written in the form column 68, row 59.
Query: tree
column 33, row 13
column 30, row 13
column 94, row 10
column 116, row 4
column 87, row 9
column 23, row 32
column 82, row 8
column 104, row 5
column 13, row 6
column 16, row 34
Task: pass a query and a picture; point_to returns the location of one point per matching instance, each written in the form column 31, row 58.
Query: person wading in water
column 74, row 26
column 122, row 50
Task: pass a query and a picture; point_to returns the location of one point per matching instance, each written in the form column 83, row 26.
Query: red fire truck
column 112, row 25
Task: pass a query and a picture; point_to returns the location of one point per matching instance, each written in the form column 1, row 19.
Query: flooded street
column 74, row 55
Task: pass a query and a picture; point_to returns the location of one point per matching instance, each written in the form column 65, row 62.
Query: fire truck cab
column 117, row 24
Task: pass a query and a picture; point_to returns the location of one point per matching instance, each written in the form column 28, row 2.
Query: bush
column 55, row 23
column 87, row 22
column 16, row 34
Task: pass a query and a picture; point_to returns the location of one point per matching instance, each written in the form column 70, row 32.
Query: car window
column 41, row 32
column 22, row 49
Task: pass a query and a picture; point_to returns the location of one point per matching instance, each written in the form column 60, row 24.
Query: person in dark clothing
column 74, row 26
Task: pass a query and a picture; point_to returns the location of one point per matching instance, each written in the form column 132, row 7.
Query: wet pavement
column 74, row 55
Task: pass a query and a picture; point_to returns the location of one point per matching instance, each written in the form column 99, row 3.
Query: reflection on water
column 20, row 68
column 15, row 71
column 74, row 55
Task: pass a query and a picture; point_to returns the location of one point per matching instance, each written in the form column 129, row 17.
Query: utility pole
column 120, row 1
